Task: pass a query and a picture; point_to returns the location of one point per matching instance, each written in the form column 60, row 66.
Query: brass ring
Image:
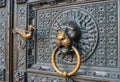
column 65, row 73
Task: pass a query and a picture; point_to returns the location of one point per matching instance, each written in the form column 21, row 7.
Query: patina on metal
column 2, row 3
column 65, row 39
column 24, row 33
column 21, row 1
column 72, row 30
column 98, row 44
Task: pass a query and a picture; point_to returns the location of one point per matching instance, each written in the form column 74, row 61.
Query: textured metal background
column 98, row 22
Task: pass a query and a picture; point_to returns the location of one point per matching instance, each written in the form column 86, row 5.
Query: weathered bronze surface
column 21, row 1
column 72, row 30
column 95, row 23
column 2, row 3
column 25, row 34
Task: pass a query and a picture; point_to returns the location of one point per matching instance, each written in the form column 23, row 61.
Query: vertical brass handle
column 24, row 33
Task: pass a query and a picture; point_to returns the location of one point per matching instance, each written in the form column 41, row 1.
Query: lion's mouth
column 59, row 43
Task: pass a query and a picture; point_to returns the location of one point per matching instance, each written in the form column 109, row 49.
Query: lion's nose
column 58, row 43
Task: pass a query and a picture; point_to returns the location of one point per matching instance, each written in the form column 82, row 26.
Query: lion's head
column 71, row 34
column 62, row 39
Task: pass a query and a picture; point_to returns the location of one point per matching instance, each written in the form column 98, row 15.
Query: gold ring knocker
column 65, row 73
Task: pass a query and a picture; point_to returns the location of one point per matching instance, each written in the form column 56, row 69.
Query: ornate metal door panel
column 99, row 40
column 4, row 40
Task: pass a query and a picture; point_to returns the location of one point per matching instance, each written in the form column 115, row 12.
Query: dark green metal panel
column 98, row 44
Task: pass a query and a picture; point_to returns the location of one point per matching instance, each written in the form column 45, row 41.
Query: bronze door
column 5, row 40
column 36, row 25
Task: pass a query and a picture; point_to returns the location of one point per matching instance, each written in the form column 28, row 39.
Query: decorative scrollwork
column 87, row 26
column 2, row 74
column 2, row 3
column 106, row 28
column 21, row 1
column 21, row 43
column 20, row 76
column 38, row 78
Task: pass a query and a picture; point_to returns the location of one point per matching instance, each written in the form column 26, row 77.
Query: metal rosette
column 88, row 28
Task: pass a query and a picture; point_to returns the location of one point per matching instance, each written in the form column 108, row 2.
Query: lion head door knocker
column 67, row 38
